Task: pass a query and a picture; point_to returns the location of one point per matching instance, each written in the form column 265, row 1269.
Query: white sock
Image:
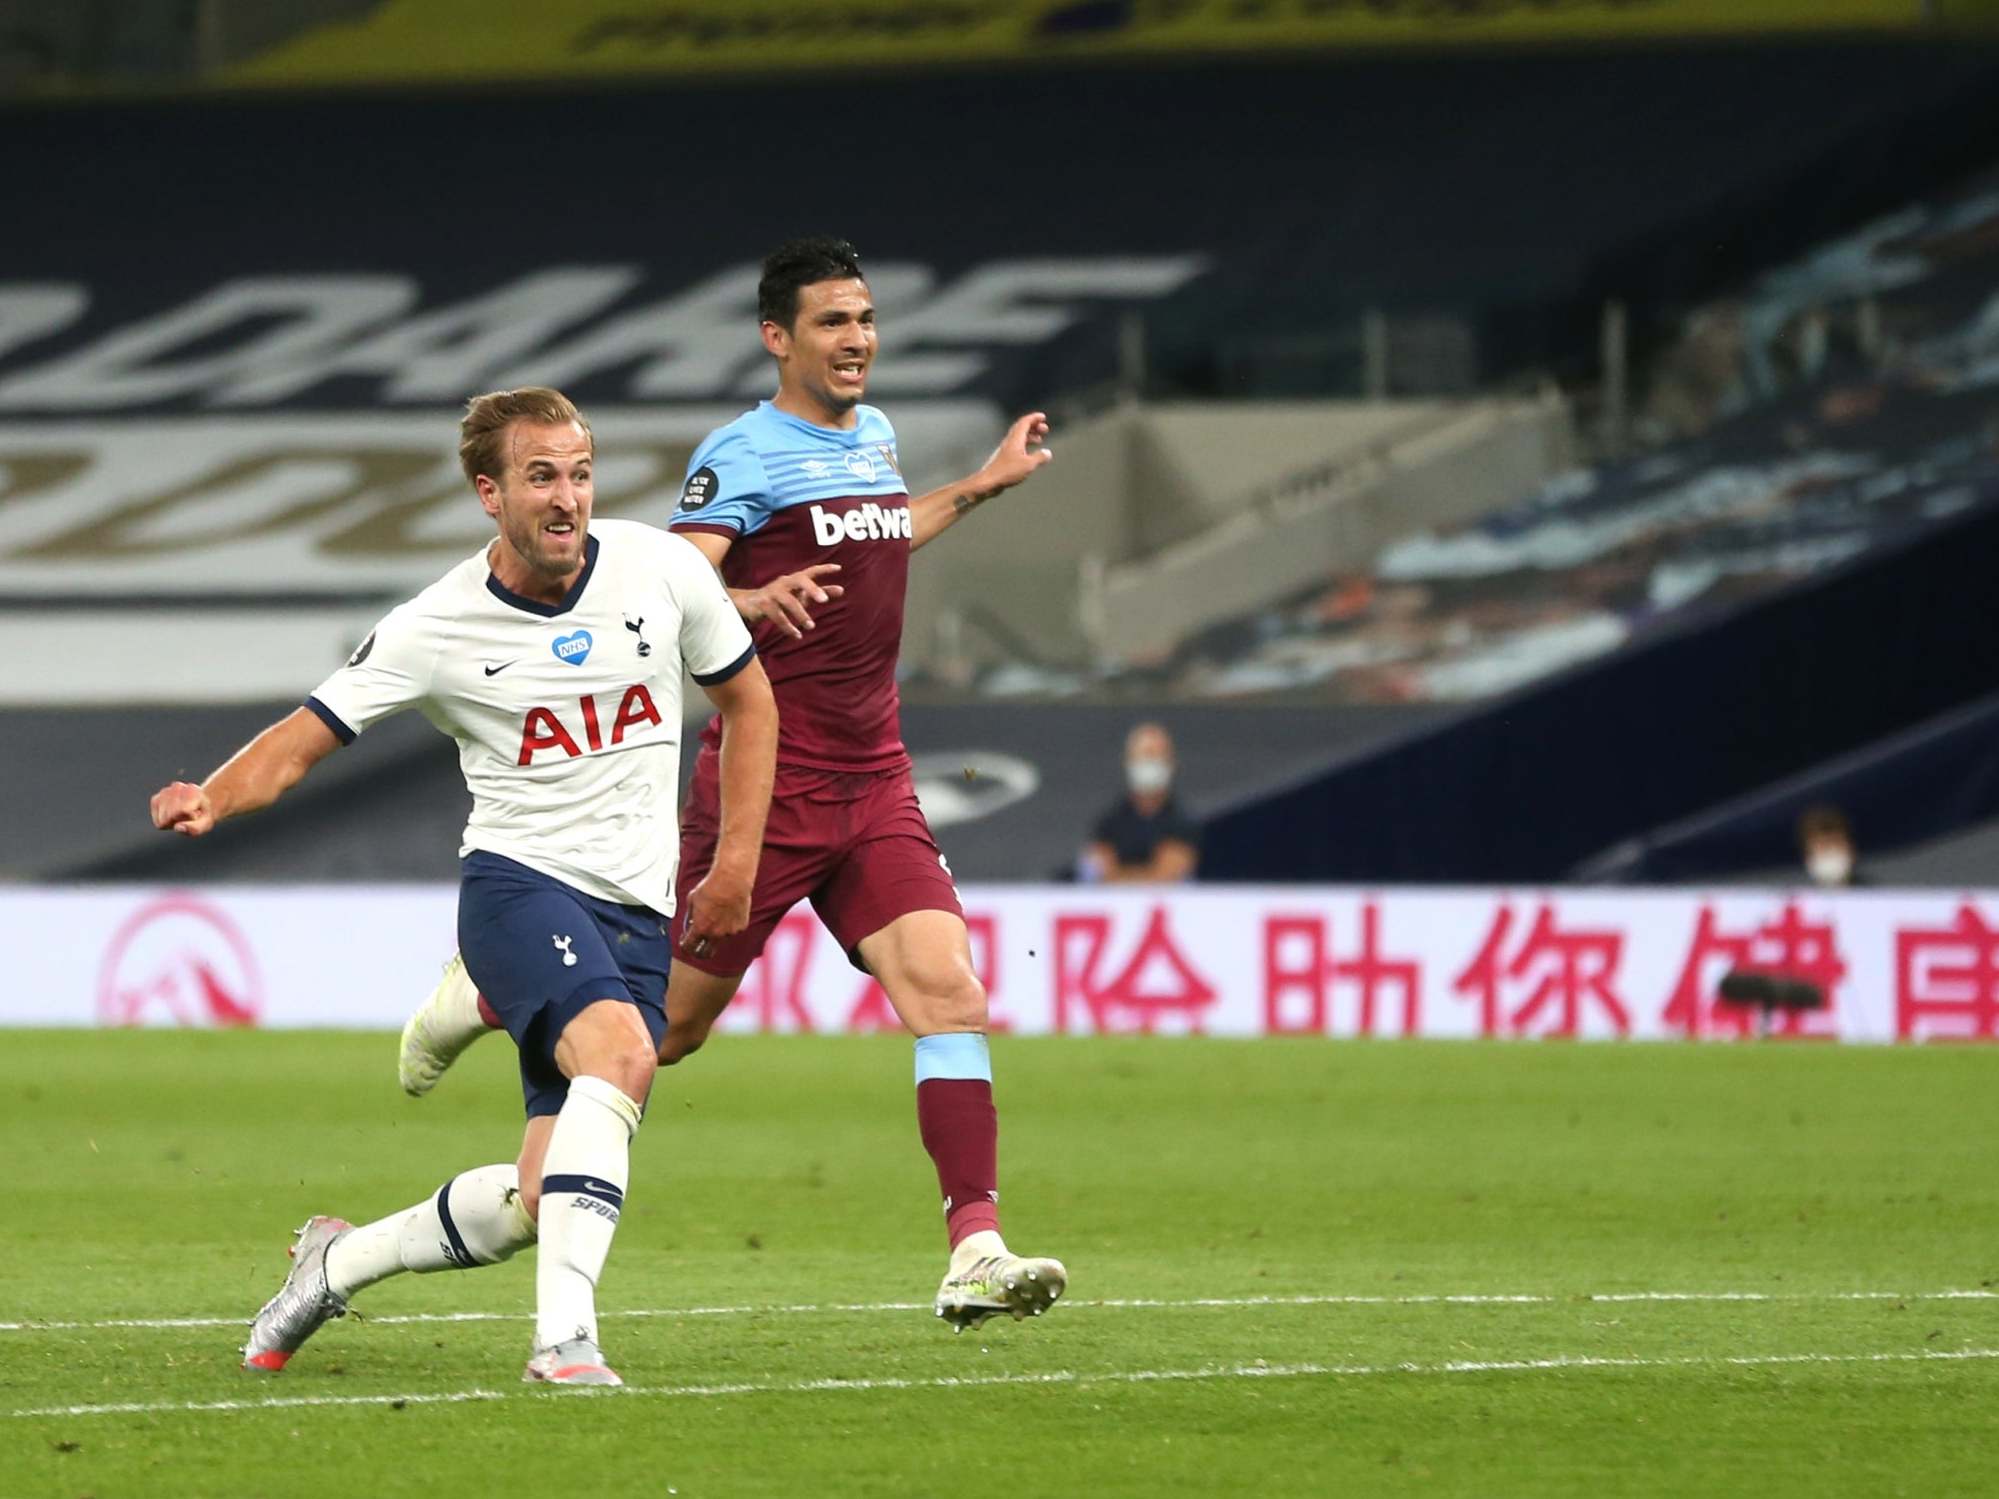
column 476, row 1218
column 985, row 1244
column 582, row 1192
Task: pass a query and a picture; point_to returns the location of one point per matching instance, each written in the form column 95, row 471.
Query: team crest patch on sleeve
column 699, row 489
column 361, row 650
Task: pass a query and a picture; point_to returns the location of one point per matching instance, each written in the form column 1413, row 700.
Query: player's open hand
column 718, row 907
column 783, row 601
column 183, row 808
column 1023, row 450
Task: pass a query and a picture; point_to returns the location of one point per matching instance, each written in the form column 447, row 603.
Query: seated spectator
column 1825, row 841
column 1145, row 837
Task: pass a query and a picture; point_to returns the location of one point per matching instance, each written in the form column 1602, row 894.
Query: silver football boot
column 576, row 1361
column 304, row 1303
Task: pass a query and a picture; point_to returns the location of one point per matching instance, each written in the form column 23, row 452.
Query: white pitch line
column 155, row 1407
column 1113, row 1304
column 1053, row 1377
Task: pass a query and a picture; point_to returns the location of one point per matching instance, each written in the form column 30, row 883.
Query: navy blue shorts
column 541, row 952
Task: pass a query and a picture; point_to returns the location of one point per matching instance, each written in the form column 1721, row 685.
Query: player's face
column 826, row 353
column 542, row 501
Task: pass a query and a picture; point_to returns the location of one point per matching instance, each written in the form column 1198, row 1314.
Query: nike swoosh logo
column 494, row 671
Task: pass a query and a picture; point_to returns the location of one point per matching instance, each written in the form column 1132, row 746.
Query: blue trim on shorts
column 956, row 1055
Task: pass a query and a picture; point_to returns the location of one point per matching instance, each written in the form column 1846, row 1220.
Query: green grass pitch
column 1299, row 1268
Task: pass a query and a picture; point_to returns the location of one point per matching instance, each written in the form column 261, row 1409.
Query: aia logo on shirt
column 545, row 730
column 869, row 522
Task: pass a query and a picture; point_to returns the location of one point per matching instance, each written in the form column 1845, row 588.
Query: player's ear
column 777, row 341
column 488, row 492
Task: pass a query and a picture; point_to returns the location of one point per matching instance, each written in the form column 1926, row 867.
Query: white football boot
column 443, row 1026
column 576, row 1361
column 985, row 1278
column 304, row 1303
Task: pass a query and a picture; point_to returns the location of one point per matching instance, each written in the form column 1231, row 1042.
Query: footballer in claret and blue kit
column 800, row 504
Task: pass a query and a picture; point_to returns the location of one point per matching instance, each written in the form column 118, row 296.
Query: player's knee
column 953, row 1001
column 530, row 1190
column 609, row 1041
column 629, row 1067
column 967, row 1008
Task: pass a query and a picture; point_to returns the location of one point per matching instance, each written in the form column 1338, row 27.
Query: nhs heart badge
column 574, row 649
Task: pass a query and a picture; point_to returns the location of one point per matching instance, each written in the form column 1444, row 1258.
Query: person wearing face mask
column 1145, row 838
column 1826, row 842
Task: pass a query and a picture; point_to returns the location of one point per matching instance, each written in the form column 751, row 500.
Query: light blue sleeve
column 726, row 486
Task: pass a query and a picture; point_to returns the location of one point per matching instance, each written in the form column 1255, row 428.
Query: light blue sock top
column 954, row 1054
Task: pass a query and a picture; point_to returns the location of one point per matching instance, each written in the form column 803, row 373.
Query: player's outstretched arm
column 254, row 777
column 1022, row 451
column 782, row 601
column 720, row 905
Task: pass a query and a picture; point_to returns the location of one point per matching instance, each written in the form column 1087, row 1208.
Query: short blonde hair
column 482, row 433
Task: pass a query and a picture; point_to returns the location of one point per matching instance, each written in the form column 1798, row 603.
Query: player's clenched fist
column 718, row 907
column 183, row 808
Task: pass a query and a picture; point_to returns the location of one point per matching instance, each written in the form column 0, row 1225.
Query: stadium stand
column 220, row 464
column 1753, row 576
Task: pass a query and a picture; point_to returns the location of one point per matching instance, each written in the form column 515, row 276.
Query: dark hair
column 800, row 262
column 1823, row 821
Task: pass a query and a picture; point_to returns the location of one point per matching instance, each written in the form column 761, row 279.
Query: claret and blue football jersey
column 789, row 493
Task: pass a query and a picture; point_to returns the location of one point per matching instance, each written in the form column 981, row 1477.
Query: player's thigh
column 541, row 954
column 801, row 844
column 893, row 907
column 923, row 961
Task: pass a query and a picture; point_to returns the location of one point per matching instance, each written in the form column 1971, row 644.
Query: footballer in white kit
column 554, row 659
column 567, row 716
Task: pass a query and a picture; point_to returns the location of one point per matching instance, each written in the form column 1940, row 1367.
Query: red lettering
column 1298, row 964
column 1947, row 980
column 1563, row 974
column 1156, row 983
column 1789, row 947
column 544, row 731
column 1294, row 966
column 636, row 709
column 590, row 722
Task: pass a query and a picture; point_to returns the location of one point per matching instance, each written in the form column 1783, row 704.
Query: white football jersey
column 567, row 716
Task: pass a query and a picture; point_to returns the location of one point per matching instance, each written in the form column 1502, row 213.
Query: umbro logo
column 494, row 671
